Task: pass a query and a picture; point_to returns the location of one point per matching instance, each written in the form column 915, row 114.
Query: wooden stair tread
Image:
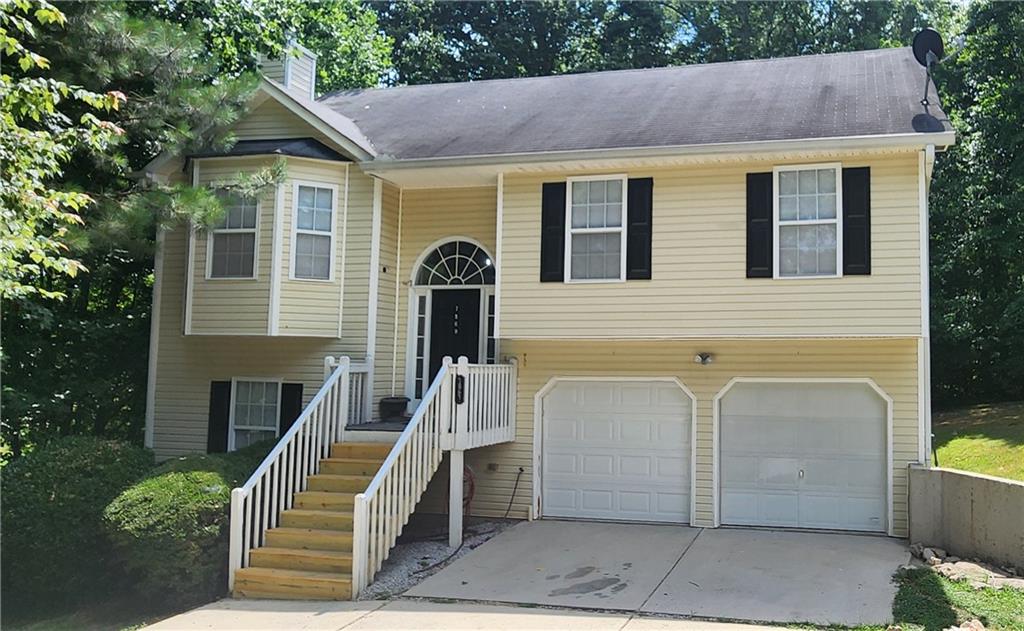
column 303, row 552
column 319, row 511
column 278, row 573
column 323, row 532
column 342, row 476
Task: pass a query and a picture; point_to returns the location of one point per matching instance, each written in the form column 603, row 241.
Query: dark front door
column 454, row 326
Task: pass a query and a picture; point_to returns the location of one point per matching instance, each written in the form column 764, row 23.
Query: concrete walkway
column 398, row 615
column 729, row 573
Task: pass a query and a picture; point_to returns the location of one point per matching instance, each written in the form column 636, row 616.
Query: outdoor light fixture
column 703, row 358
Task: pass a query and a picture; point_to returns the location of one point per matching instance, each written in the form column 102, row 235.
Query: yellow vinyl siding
column 429, row 216
column 699, row 285
column 271, row 120
column 187, row 364
column 384, row 373
column 311, row 307
column 231, row 306
column 892, row 364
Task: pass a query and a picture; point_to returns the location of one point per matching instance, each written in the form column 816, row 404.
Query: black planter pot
column 393, row 408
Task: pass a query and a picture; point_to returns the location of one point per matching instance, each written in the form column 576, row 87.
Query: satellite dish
column 928, row 51
column 927, row 47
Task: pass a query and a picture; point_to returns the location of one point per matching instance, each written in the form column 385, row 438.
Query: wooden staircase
column 309, row 554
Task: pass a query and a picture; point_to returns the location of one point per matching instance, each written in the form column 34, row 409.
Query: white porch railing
column 466, row 406
column 488, row 418
column 360, row 407
column 256, row 505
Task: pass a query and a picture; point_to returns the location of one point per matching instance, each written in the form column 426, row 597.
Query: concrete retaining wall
column 968, row 514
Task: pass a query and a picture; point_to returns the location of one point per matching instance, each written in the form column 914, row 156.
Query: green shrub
column 54, row 549
column 171, row 529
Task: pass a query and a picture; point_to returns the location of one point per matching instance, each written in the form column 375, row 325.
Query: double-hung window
column 255, row 412
column 808, row 230
column 595, row 229
column 314, row 232
column 232, row 244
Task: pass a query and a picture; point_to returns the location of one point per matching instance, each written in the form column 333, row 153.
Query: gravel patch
column 423, row 551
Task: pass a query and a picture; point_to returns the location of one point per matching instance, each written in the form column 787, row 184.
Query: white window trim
column 570, row 231
column 231, row 411
column 777, row 223
column 256, row 244
column 293, row 250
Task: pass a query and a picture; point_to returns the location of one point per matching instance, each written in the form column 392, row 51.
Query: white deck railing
column 360, row 408
column 383, row 509
column 488, row 418
column 256, row 506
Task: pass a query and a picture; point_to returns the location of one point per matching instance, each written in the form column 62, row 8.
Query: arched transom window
column 456, row 263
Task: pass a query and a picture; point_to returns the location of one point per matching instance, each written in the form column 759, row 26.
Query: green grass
column 931, row 602
column 927, row 601
column 982, row 438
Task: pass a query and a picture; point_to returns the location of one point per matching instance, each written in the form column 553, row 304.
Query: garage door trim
column 716, row 442
column 538, row 431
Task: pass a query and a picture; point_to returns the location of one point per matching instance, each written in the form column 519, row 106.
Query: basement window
column 255, row 412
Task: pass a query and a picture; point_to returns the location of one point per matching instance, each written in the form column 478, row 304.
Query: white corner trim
column 374, row 285
column 277, row 249
column 343, row 265
column 499, row 231
column 312, row 79
column 716, row 458
column 398, row 268
column 287, row 63
column 154, row 338
column 536, row 511
column 190, row 265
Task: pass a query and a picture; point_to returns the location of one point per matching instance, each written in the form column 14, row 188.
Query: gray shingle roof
column 864, row 93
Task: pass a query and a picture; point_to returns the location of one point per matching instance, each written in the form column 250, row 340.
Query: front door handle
column 801, row 474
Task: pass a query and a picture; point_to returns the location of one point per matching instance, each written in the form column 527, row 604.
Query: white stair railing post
column 447, row 417
column 340, row 412
column 360, row 545
column 460, row 431
column 235, row 545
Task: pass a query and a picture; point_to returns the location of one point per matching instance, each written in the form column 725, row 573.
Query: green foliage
column 977, row 204
column 456, row 41
column 99, row 332
column 170, row 530
column 350, row 51
column 38, row 138
column 54, row 549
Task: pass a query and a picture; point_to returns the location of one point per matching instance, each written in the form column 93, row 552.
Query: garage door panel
column 804, row 455
column 628, row 456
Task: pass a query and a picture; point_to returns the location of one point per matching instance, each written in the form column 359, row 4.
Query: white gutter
column 883, row 141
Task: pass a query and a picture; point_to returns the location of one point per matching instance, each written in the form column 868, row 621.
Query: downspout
column 926, row 160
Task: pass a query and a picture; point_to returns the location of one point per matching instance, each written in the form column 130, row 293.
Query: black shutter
column 759, row 225
column 857, row 221
column 220, row 411
column 638, row 234
column 291, row 405
column 552, row 232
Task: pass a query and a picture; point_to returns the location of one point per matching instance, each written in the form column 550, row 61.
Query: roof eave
column 915, row 140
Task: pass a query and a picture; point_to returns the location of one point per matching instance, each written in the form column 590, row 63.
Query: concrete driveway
column 735, row 574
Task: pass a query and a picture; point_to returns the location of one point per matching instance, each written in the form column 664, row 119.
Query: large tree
column 78, row 365
column 978, row 214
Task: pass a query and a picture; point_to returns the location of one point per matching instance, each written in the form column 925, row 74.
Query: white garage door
column 616, row 450
column 805, row 455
